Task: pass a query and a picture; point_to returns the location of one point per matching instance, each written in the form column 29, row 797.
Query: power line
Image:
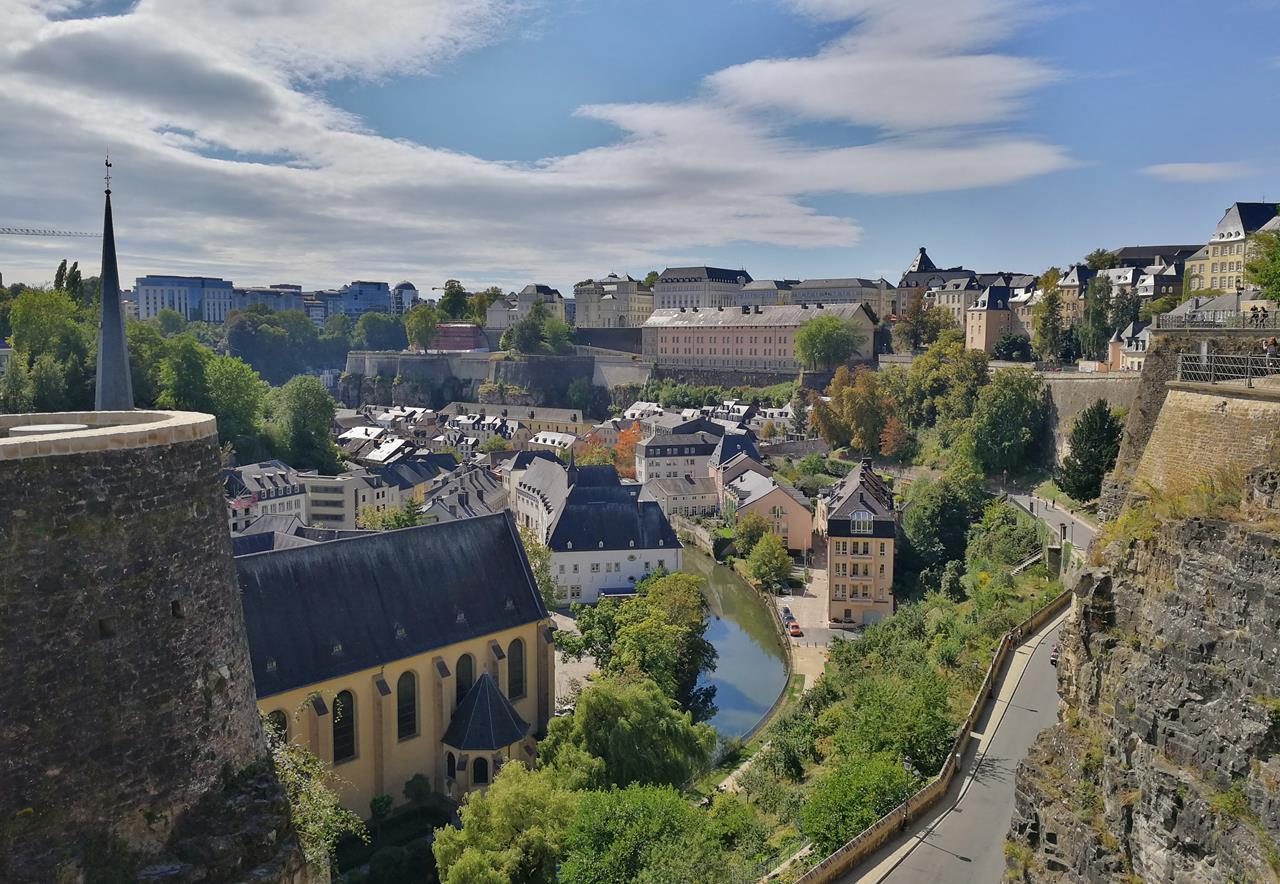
column 38, row 231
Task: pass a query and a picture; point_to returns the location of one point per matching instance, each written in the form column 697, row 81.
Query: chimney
column 804, row 306
column 866, row 463
column 462, row 498
column 746, row 309
column 758, row 310
column 819, row 305
column 480, row 495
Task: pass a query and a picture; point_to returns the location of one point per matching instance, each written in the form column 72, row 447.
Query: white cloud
column 1196, row 173
column 228, row 162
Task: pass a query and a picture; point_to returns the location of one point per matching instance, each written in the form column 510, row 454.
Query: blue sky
column 509, row 141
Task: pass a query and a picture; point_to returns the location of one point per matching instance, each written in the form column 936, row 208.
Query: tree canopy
column 827, row 341
column 420, row 325
column 854, row 413
column 380, row 331
column 769, row 562
column 1101, row 259
column 1009, row 418
column 919, row 326
column 1046, row 317
column 1095, row 443
column 1262, row 269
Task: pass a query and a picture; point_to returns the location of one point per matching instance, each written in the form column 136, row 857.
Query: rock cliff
column 1164, row 765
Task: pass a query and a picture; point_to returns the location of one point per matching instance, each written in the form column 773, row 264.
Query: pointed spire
column 114, row 384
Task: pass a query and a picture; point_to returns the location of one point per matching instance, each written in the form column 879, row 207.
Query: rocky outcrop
column 1164, row 765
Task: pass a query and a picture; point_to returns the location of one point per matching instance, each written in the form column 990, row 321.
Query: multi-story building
column 404, row 297
column 219, row 304
column 535, row 418
column 337, row 501
column 954, row 296
column 698, row 287
column 1127, row 350
column 259, row 489
column 612, row 302
column 354, row 658
column 766, row 292
column 989, row 319
column 922, row 275
column 363, row 296
column 466, row 493
column 784, row 509
column 183, row 294
column 1219, row 266
column 674, row 455
column 878, row 294
column 685, row 496
column 742, row 339
column 858, row 519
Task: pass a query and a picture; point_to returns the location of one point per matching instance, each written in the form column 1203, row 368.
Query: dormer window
column 861, row 522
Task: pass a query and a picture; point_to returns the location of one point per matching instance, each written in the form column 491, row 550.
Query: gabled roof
column 595, row 518
column 863, row 490
column 752, row 486
column 709, row 441
column 731, row 445
column 521, row 460
column 485, row 720
column 921, row 262
column 330, row 609
column 661, row 489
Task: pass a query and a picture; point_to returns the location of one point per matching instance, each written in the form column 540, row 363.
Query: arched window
column 861, row 522
column 515, row 669
column 466, row 675
column 278, row 722
column 406, row 706
column 479, row 771
column 344, row 727
column 451, row 766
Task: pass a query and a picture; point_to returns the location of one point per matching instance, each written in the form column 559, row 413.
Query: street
column 1079, row 533
column 963, row 839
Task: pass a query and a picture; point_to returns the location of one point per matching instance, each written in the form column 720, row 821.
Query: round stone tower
column 127, row 708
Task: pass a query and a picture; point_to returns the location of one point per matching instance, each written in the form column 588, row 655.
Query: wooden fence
column 868, row 841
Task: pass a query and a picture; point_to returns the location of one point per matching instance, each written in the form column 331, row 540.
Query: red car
column 793, row 628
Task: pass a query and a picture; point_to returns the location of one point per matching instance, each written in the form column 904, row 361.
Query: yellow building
column 861, row 526
column 421, row 651
column 1219, row 266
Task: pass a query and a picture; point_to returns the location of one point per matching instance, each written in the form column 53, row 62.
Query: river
column 751, row 671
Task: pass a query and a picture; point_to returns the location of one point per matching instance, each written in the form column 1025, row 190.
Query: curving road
column 1079, row 532
column 963, row 839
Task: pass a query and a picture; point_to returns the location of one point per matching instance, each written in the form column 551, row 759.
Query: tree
column 920, row 326
column 624, row 451
column 407, row 515
column 1125, row 307
column 1008, row 418
column 525, row 335
column 556, row 334
column 1094, row 329
column 170, row 322
column 768, row 430
column 420, row 325
column 236, row 396
column 747, row 533
column 943, row 382
column 15, row 385
column 60, row 277
column 1095, row 443
column 854, row 413
column 635, row 730
column 540, row 564
column 769, row 562
column 184, row 382
column 951, row 584
column 76, row 286
column 453, row 302
column 1046, row 316
column 1101, row 259
column 43, row 322
column 515, row 830
column 896, row 441
column 827, row 341
column 651, row 279
column 314, row 810
column 1262, row 268
column 492, row 444
column 1012, row 347
column 1003, row 536
column 48, row 384
column 852, row 797
column 800, row 412
column 305, row 412
column 380, row 331
column 936, row 522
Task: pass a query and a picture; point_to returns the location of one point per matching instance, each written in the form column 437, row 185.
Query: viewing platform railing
column 1216, row 368
column 1262, row 320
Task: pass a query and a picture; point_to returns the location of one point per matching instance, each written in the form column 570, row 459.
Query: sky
column 514, row 141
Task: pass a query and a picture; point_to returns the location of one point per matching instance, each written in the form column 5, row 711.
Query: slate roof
column 465, row 494
column 522, row 460
column 702, row 440
column 330, row 609
column 844, row 282
column 731, row 445
column 260, row 478
column 611, row 516
column 862, row 490
column 485, row 720
column 752, row 486
column 715, row 274
column 768, row 317
column 996, row 297
column 927, row 278
column 661, row 489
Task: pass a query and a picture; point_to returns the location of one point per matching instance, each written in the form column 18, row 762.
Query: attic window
column 400, row 631
column 600, row 545
column 271, row 664
column 569, row 545
column 337, row 649
column 510, row 605
column 461, row 618
column 633, row 543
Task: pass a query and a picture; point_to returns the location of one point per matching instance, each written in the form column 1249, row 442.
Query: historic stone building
column 860, row 523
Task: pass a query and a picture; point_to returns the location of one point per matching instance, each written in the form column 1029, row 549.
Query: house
column 270, row 487
column 672, row 455
column 337, row 501
column 989, row 319
column 783, row 508
column 603, row 540
column 536, row 418
column 468, row 492
column 385, row 675
column 704, row 287
column 1127, row 350
column 548, row 440
column 612, row 302
column 685, row 496
column 1219, row 266
column 858, row 519
column 512, row 467
column 922, row 275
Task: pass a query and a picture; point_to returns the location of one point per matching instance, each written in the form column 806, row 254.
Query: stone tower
column 129, row 738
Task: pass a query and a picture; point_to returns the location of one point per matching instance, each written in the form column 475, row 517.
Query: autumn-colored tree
column 594, row 453
column 896, row 440
column 624, row 451
column 855, row 412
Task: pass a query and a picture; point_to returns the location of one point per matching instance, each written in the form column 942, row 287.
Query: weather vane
column 108, row 175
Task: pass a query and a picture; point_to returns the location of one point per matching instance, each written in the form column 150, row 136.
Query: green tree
column 747, row 533
column 237, row 397
column 556, row 334
column 769, row 562
column 184, row 381
column 1095, row 329
column 651, row 279
column 920, row 326
column 44, row 322
column 1095, row 443
column 936, row 522
column 76, row 286
column 407, row 515
column 1262, row 268
column 513, row 831
column 379, row 331
column 827, row 341
column 1003, row 536
column 854, row 412
column 15, row 385
column 147, row 349
column 1009, row 418
column 305, row 411
column 526, row 335
column 943, row 382
column 800, row 412
column 539, row 557
column 635, row 730
column 492, row 444
column 453, row 301
column 1101, row 259
column 951, row 585
column 60, row 277
column 1046, row 316
column 1125, row 307
column 420, row 325
column 314, row 810
column 852, row 797
column 170, row 322
column 1012, row 347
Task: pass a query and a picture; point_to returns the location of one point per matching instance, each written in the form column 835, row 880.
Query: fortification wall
column 1071, row 393
column 127, row 690
column 1204, row 429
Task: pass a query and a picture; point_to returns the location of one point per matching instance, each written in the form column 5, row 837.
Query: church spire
column 114, row 384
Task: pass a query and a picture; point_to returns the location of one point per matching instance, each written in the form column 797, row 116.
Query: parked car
column 793, row 629
column 785, row 610
column 1053, row 656
column 788, row 618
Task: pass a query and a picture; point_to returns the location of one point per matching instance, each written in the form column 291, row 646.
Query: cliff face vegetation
column 1165, row 766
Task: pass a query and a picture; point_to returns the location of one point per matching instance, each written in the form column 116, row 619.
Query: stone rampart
column 1072, row 392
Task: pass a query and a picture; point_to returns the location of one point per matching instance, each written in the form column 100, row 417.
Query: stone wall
column 1072, row 392
column 127, row 691
column 1164, row 765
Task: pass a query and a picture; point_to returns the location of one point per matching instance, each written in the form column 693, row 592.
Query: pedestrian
column 1253, row 316
column 1273, row 349
column 1262, row 317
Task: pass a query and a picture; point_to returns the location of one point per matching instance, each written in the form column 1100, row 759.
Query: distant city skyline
column 503, row 142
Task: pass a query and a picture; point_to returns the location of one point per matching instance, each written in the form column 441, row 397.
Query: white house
column 258, row 489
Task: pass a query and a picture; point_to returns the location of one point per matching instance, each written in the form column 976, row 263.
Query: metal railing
column 1216, row 368
column 1262, row 320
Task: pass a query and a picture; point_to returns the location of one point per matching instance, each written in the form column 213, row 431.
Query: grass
column 1049, row 490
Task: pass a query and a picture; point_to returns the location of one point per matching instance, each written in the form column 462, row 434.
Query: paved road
column 1079, row 532
column 964, row 840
